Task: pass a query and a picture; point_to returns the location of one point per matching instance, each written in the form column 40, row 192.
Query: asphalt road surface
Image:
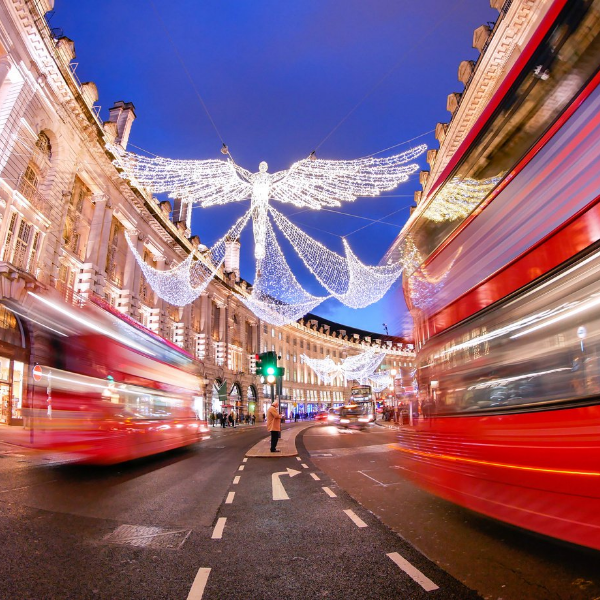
column 203, row 522
column 339, row 522
column 497, row 560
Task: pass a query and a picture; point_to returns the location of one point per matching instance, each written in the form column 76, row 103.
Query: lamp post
column 393, row 373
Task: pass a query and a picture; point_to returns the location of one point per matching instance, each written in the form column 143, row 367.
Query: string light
column 183, row 283
column 276, row 297
column 458, row 198
column 347, row 279
column 359, row 367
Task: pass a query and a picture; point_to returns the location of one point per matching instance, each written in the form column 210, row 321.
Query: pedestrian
column 231, row 419
column 253, row 419
column 223, row 419
column 274, row 424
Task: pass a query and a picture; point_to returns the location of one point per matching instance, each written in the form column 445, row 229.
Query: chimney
column 122, row 113
column 182, row 212
column 232, row 256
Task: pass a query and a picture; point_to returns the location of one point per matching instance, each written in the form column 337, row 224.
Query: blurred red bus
column 503, row 285
column 105, row 391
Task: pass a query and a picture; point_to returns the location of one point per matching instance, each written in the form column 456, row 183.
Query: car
column 321, row 416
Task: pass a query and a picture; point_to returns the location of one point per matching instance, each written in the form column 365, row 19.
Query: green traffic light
column 270, row 370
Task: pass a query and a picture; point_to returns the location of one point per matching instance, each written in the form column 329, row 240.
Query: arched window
column 44, row 147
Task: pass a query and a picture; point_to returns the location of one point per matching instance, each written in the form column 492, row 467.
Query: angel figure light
column 309, row 183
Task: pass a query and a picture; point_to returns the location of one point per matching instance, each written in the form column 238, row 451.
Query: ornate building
column 65, row 212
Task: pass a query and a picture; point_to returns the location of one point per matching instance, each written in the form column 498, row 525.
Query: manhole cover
column 147, row 537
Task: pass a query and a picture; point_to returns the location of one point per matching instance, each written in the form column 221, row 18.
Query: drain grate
column 147, row 537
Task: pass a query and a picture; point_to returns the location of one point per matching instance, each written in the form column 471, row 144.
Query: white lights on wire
column 359, row 367
column 277, row 297
column 347, row 279
column 458, row 198
column 186, row 281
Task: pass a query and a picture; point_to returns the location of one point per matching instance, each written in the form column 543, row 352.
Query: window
column 301, row 343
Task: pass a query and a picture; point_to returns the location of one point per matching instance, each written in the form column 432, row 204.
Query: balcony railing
column 31, row 193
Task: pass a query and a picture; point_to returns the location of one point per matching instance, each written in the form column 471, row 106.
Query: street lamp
column 393, row 373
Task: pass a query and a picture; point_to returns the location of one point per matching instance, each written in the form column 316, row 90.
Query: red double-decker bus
column 103, row 390
column 503, row 264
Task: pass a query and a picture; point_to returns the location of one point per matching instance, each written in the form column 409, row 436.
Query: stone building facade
column 64, row 215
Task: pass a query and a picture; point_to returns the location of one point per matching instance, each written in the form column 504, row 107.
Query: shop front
column 13, row 365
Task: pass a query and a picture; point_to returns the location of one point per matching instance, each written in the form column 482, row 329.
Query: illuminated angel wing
column 207, row 182
column 318, row 183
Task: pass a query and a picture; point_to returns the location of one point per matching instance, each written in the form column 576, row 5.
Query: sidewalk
column 287, row 442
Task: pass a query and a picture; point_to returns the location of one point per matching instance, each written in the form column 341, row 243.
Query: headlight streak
column 91, row 325
column 566, row 315
column 462, row 459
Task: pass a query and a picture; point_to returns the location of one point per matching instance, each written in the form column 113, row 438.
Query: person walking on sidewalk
column 274, row 424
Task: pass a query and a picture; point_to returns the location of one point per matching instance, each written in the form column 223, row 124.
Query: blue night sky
column 278, row 76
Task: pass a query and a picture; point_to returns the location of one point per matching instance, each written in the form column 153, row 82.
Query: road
column 208, row 522
column 497, row 560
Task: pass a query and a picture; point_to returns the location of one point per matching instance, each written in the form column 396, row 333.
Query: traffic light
column 266, row 365
column 258, row 366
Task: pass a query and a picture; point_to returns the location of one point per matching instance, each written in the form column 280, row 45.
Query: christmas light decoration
column 347, row 279
column 458, row 198
column 307, row 183
column 380, row 381
column 359, row 367
column 184, row 282
column 277, row 297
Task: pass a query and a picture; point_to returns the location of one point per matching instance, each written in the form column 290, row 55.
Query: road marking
column 241, row 468
column 229, row 499
column 304, row 466
column 279, row 492
column 298, row 458
column 199, row 584
column 315, row 477
column 217, row 533
column 329, row 492
column 372, row 478
column 357, row 520
column 236, row 480
column 413, row 572
column 245, row 460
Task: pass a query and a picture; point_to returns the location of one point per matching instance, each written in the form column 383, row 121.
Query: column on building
column 158, row 319
column 93, row 276
column 129, row 300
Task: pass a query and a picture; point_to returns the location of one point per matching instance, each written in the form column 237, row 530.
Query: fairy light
column 307, row 183
column 458, row 198
column 276, row 297
column 360, row 367
column 354, row 284
column 183, row 283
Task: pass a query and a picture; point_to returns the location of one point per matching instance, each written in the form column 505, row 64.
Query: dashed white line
column 315, row 477
column 304, row 466
column 236, row 480
column 199, row 584
column 329, row 492
column 217, row 533
column 229, row 498
column 241, row 468
column 413, row 572
column 298, row 458
column 245, row 460
column 357, row 520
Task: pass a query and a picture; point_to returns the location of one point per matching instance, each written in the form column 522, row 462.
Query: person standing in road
column 274, row 424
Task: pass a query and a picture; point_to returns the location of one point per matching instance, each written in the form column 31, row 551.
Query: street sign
column 37, row 373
